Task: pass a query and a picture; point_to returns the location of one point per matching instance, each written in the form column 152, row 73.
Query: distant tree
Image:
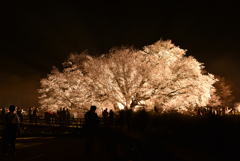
column 214, row 101
column 224, row 91
column 130, row 77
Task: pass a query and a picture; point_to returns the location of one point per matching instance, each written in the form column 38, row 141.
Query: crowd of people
column 217, row 111
column 19, row 112
column 33, row 114
column 62, row 116
column 108, row 117
column 11, row 121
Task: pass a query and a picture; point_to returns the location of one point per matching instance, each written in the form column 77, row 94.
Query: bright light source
column 121, row 107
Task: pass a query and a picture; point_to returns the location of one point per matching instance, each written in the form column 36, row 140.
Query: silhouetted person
column 121, row 118
column 10, row 130
column 61, row 115
column 91, row 125
column 105, row 115
column 30, row 115
column 58, row 114
column 3, row 113
column 35, row 114
column 64, row 115
column 129, row 115
column 68, row 115
column 111, row 117
column 155, row 109
column 20, row 114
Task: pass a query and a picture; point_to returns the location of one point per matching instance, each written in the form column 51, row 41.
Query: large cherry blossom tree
column 129, row 77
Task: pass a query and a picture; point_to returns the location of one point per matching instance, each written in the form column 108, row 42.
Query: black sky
column 37, row 35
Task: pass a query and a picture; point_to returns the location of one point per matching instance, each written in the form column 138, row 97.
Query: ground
column 174, row 148
column 56, row 148
column 73, row 148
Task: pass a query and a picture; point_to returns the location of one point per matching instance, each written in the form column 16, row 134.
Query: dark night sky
column 37, row 35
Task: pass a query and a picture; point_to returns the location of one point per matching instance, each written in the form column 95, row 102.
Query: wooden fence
column 56, row 124
column 54, row 121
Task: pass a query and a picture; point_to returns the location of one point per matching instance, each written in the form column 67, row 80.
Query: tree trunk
column 128, row 102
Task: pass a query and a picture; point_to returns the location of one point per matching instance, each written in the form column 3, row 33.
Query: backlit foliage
column 160, row 72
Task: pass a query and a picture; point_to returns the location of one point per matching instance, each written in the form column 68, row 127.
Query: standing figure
column 20, row 114
column 105, row 115
column 35, row 114
column 10, row 130
column 68, row 115
column 3, row 113
column 64, row 114
column 61, row 115
column 30, row 115
column 58, row 117
column 121, row 119
column 129, row 115
column 155, row 109
column 91, row 125
column 111, row 117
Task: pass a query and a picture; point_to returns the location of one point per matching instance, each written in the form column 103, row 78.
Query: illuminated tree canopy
column 160, row 72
